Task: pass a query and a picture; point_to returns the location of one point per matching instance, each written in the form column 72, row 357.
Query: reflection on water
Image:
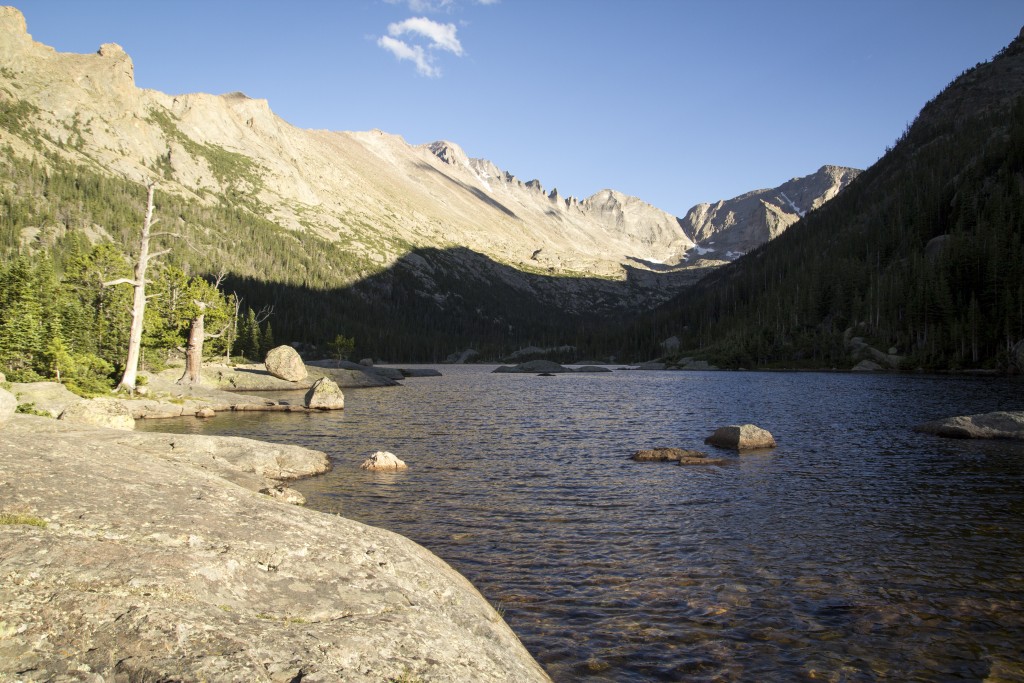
column 856, row 550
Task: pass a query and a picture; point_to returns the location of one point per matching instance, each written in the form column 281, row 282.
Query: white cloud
column 441, row 36
column 413, row 53
column 427, row 5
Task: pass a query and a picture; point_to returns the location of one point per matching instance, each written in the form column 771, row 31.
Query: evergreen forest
column 923, row 252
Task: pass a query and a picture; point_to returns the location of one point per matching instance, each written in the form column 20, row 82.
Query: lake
column 856, row 550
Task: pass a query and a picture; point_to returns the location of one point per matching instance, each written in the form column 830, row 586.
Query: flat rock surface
column 533, row 367
column 255, row 377
column 156, row 568
column 997, row 425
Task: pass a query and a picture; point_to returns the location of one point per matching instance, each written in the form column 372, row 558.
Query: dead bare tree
column 131, row 366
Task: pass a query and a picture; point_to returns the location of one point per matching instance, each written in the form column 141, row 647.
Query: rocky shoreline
column 146, row 556
column 223, row 388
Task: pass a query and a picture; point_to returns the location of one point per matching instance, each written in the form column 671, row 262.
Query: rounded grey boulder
column 325, row 395
column 285, row 363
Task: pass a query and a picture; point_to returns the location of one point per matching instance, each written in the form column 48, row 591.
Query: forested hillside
column 923, row 252
column 66, row 229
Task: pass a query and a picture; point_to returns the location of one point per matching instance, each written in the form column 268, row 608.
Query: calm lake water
column 857, row 550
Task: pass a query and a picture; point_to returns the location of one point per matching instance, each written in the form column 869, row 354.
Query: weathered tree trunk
column 131, row 365
column 194, row 351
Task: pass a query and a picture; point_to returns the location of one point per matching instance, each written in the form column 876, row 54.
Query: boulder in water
column 325, row 395
column 741, row 438
column 383, row 461
column 997, row 425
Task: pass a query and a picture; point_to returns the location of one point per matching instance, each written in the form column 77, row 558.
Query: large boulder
column 45, row 397
column 383, row 461
column 325, row 395
column 741, row 438
column 998, row 425
column 285, row 363
column 8, row 404
column 99, row 412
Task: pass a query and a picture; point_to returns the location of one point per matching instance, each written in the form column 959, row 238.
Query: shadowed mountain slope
column 923, row 252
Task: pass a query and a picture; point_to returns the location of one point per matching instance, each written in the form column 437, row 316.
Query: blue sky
column 676, row 102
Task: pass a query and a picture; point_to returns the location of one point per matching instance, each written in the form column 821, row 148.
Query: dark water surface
column 856, row 550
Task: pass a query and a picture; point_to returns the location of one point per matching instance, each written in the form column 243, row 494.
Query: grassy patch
column 21, row 518
column 30, row 409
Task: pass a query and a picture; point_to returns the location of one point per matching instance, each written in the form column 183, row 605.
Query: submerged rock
column 383, row 461
column 419, row 372
column 285, row 363
column 997, row 425
column 741, row 438
column 325, row 395
column 680, row 455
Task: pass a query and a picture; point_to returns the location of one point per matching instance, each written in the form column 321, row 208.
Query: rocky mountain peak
column 14, row 37
column 729, row 228
column 12, row 21
column 448, row 152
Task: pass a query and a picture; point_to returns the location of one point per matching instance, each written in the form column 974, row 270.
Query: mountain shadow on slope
column 434, row 302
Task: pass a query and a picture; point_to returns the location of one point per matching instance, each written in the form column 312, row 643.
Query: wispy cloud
column 441, row 36
column 426, row 5
column 429, row 6
column 437, row 36
column 413, row 53
column 419, row 39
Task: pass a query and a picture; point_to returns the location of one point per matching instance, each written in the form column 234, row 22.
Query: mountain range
column 918, row 264
column 361, row 213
